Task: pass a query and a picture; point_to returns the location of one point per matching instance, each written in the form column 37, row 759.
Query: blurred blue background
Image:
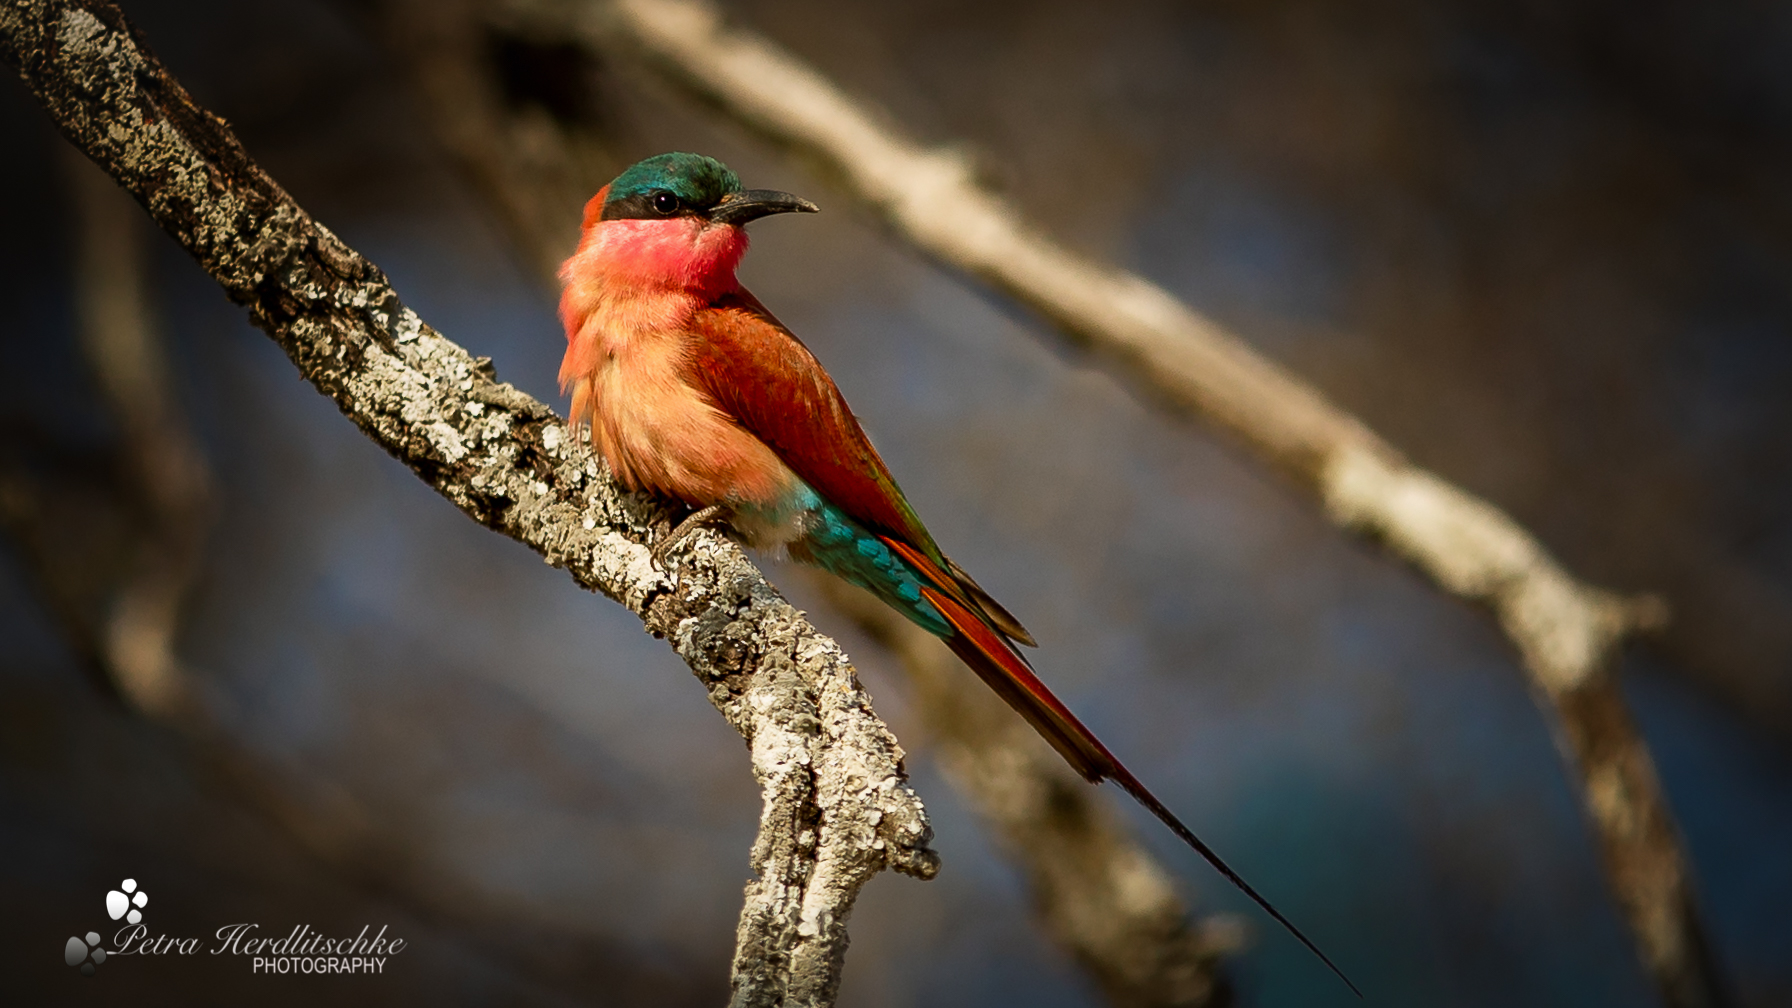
column 1546, row 250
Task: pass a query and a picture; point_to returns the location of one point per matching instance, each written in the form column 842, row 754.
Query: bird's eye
column 665, row 203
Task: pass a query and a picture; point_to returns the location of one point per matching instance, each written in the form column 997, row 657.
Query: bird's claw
column 691, row 523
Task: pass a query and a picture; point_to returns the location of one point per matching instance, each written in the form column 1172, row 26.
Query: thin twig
column 837, row 806
column 1568, row 633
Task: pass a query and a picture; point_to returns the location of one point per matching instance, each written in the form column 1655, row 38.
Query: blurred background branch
column 164, row 468
column 1567, row 632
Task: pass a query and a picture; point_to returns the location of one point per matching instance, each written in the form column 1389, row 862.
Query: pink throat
column 682, row 253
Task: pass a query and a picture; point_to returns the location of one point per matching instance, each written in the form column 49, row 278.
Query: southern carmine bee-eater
column 694, row 391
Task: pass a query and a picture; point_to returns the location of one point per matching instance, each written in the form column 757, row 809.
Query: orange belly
column 660, row 435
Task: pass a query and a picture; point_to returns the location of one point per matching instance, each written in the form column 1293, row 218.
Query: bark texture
column 1568, row 633
column 837, row 807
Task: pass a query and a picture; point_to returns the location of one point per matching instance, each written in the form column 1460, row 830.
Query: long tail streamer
column 997, row 663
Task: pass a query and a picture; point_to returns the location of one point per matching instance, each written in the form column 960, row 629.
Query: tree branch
column 1567, row 633
column 837, row 806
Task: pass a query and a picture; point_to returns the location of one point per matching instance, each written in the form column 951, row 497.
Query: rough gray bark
column 837, row 806
column 1098, row 893
column 1568, row 633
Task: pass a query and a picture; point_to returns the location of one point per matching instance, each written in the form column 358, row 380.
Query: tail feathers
column 955, row 582
column 999, row 665
column 1006, row 672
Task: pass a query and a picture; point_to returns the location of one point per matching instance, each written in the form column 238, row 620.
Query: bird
column 692, row 390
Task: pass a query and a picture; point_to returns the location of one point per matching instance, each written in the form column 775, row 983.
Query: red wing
column 757, row 372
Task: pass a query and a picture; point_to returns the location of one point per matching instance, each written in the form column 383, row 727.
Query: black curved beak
column 752, row 204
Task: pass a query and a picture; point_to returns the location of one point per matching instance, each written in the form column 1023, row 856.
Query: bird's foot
column 697, row 519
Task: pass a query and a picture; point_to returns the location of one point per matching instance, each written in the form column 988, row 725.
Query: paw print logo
column 85, row 954
column 129, row 907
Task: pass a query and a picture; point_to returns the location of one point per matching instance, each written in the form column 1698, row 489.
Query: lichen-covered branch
column 1567, row 632
column 837, row 807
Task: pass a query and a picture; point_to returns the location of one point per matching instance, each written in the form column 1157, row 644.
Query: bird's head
column 694, row 187
column 673, row 219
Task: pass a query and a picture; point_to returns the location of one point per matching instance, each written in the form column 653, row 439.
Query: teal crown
column 696, row 180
